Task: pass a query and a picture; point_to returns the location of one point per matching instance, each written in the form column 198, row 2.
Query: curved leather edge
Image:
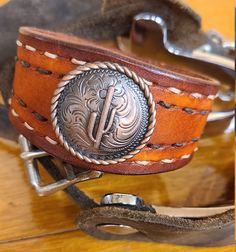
column 128, row 168
column 212, row 231
column 90, row 51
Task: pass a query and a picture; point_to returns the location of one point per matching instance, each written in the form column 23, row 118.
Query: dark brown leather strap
column 211, row 231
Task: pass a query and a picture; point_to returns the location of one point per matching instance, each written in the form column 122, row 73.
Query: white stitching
column 77, row 62
column 185, row 156
column 30, row 48
column 14, row 113
column 143, row 162
column 19, row 43
column 50, row 140
column 28, row 126
column 167, row 161
column 80, row 62
column 174, row 90
column 9, row 101
column 211, row 97
column 196, row 95
column 50, row 55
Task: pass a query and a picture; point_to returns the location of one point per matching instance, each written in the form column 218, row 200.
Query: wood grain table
column 32, row 223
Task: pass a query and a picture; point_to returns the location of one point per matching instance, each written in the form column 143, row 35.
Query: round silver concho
column 103, row 113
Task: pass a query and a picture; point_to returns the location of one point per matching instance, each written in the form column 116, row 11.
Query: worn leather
column 33, row 91
column 212, row 231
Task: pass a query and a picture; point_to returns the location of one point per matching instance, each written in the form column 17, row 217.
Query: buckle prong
column 29, row 155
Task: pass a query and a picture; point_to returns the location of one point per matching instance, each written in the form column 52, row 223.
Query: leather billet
column 177, row 104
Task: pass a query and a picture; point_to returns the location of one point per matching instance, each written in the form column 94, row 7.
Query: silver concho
column 103, row 113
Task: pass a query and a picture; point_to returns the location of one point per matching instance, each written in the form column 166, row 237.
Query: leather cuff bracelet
column 100, row 109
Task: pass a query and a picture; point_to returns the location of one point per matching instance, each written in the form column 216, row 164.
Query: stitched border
column 29, row 127
column 142, row 162
column 149, row 145
column 163, row 104
column 170, row 146
column 39, row 70
column 79, row 62
column 49, row 54
column 187, row 110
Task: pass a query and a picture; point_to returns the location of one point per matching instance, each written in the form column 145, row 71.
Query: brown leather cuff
column 163, row 137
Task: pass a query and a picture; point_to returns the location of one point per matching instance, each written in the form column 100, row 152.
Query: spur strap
column 162, row 227
column 98, row 108
column 127, row 217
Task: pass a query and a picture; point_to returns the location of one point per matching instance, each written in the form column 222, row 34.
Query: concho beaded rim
column 143, row 85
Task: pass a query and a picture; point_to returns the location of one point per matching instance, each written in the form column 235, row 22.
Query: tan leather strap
column 182, row 100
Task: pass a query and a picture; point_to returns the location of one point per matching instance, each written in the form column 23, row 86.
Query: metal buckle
column 29, row 157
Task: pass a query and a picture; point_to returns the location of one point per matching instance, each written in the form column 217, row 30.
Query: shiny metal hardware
column 180, row 212
column 121, row 198
column 29, row 155
column 217, row 51
column 176, row 212
column 217, row 116
column 109, row 127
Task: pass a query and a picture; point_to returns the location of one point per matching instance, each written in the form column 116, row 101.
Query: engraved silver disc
column 101, row 115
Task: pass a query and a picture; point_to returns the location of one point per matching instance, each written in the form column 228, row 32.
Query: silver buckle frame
column 28, row 155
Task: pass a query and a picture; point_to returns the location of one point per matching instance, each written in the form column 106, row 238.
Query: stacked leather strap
column 183, row 100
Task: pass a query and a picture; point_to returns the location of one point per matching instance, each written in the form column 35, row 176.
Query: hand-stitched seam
column 160, row 103
column 80, row 62
column 29, row 127
column 183, row 109
column 165, row 161
column 37, row 116
column 39, row 69
column 49, row 54
column 149, row 145
column 53, row 142
column 193, row 95
column 174, row 145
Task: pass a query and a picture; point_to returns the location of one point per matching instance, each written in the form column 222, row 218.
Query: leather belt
column 92, row 106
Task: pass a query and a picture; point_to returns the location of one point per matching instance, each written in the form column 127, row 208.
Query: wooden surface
column 32, row 223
